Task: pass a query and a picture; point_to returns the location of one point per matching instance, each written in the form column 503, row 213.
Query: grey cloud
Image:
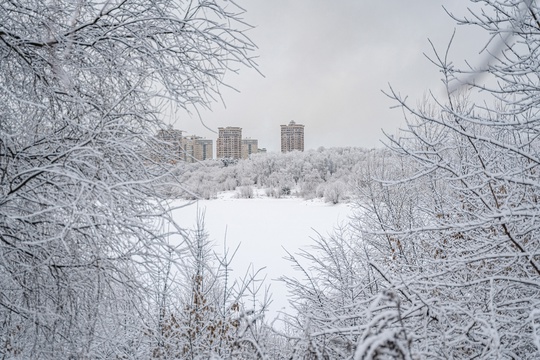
column 325, row 63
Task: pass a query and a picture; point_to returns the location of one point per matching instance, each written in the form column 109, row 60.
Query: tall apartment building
column 249, row 146
column 292, row 137
column 229, row 143
column 195, row 148
column 173, row 150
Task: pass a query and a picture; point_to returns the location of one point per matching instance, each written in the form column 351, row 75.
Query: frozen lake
column 264, row 227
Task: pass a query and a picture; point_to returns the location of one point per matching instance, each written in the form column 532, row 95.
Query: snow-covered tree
column 81, row 224
column 203, row 312
column 476, row 270
column 445, row 232
column 295, row 173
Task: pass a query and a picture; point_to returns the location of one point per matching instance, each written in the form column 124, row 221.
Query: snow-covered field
column 264, row 227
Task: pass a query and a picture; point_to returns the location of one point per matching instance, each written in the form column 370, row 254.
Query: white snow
column 264, row 227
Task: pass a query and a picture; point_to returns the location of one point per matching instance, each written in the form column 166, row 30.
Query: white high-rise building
column 229, row 143
column 292, row 137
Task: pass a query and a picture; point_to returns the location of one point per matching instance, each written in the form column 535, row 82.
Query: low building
column 196, row 148
column 176, row 147
column 204, row 149
column 249, row 146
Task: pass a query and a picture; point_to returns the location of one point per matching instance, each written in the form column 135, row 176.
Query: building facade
column 195, row 148
column 172, row 148
column 204, row 149
column 249, row 146
column 292, row 137
column 186, row 148
column 229, row 143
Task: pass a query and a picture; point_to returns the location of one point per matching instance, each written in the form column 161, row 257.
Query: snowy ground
column 264, row 227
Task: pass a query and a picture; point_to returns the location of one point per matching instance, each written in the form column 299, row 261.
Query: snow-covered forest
column 440, row 260
column 331, row 174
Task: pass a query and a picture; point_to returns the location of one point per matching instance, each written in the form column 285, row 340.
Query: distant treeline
column 323, row 173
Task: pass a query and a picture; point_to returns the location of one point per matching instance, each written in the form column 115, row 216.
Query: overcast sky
column 325, row 64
